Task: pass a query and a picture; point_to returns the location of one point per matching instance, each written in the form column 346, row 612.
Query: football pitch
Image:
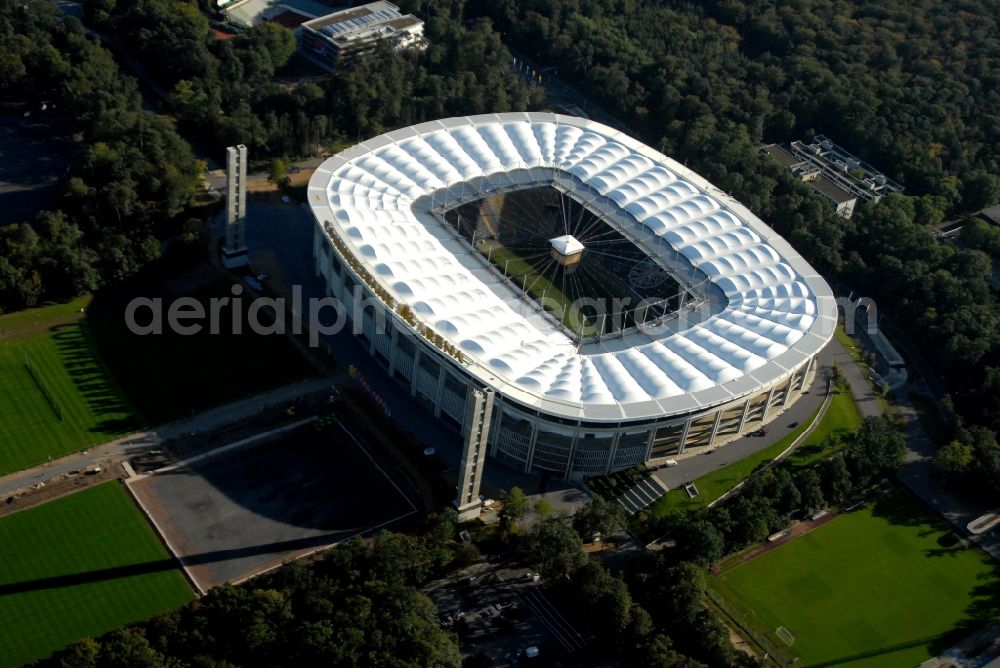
column 78, row 567
column 66, row 400
column 886, row 585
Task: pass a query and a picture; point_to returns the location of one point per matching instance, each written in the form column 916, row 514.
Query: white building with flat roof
column 329, row 38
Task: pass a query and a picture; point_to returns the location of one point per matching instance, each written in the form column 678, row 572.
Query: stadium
column 620, row 308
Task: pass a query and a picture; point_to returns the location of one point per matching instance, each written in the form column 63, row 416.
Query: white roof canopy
column 778, row 312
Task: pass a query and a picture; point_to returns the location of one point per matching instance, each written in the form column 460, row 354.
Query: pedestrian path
column 642, row 495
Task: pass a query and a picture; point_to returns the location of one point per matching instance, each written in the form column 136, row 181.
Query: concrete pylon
column 479, row 413
column 234, row 250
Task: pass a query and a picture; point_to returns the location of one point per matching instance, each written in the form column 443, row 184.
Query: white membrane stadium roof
column 778, row 311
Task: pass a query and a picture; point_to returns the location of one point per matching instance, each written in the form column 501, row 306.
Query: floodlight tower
column 234, row 250
column 470, row 472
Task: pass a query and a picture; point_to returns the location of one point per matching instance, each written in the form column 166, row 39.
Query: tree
column 128, row 648
column 980, row 189
column 982, row 236
column 657, row 652
column 597, row 517
column 785, row 494
column 607, row 604
column 674, row 596
column 277, row 40
column 751, row 521
column 836, row 479
column 515, row 505
column 277, row 172
column 874, row 451
column 544, row 509
column 701, row 541
column 811, row 488
column 972, row 461
column 554, row 547
column 81, row 654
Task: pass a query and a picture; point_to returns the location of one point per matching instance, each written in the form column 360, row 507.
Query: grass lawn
column 713, row 485
column 15, row 323
column 537, row 285
column 78, row 567
column 842, row 418
column 883, row 586
column 849, row 344
column 59, row 346
column 88, row 363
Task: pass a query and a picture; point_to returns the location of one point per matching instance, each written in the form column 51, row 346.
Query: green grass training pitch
column 83, row 363
column 78, row 567
column 84, row 404
column 883, row 586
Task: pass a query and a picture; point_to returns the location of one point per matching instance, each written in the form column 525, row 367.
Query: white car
column 670, row 462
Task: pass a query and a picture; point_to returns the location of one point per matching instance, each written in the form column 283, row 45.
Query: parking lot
column 252, row 508
column 504, row 614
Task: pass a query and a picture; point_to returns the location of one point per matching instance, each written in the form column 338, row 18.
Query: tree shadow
column 880, row 651
column 809, row 451
column 160, row 565
column 82, row 362
column 314, row 480
column 900, row 507
column 983, row 609
column 904, row 509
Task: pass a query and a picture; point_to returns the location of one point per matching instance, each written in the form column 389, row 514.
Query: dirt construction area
column 253, row 507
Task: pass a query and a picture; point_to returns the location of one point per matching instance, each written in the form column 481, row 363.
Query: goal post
column 786, row 636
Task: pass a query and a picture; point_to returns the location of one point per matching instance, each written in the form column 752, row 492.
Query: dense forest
column 226, row 91
column 137, row 176
column 362, row 605
column 359, row 606
column 135, row 172
column 912, row 87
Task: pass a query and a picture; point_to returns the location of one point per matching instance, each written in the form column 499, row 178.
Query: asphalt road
column 216, row 178
column 694, row 465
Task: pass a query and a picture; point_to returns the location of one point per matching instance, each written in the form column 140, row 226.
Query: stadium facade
column 616, row 307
